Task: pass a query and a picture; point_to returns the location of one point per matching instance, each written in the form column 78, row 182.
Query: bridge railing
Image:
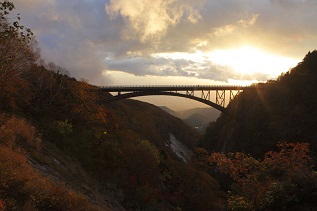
column 170, row 88
column 141, row 86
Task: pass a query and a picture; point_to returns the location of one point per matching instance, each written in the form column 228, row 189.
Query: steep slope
column 64, row 169
column 36, row 176
column 284, row 109
column 121, row 145
column 151, row 123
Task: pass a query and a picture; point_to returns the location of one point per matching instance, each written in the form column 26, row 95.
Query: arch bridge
column 216, row 96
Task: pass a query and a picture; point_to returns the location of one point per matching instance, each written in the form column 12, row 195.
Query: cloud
column 142, row 66
column 73, row 34
column 80, row 34
column 149, row 19
column 230, row 28
column 171, row 65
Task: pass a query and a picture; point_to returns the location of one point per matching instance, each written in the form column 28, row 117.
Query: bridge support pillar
column 221, row 97
column 205, row 96
column 233, row 94
column 190, row 93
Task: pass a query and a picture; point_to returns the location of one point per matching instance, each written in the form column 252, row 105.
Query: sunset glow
column 215, row 42
column 246, row 63
column 249, row 60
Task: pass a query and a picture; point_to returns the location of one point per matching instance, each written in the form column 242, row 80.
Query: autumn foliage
column 282, row 180
column 30, row 190
column 21, row 186
column 16, row 132
column 2, row 207
column 18, row 53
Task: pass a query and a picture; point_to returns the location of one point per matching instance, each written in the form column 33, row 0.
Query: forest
column 60, row 150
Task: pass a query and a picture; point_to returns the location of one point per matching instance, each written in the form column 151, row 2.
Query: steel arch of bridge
column 204, row 93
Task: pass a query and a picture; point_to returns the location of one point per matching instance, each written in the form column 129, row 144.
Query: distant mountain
column 207, row 114
column 170, row 111
column 198, row 118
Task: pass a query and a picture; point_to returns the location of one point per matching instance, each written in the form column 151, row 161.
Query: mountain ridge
column 278, row 110
column 198, row 118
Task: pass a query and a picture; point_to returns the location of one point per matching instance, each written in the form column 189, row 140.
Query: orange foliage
column 15, row 130
column 21, row 187
column 14, row 94
column 270, row 183
column 83, row 105
column 2, row 207
column 292, row 158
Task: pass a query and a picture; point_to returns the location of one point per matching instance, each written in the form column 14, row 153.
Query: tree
column 16, row 131
column 17, row 54
column 282, row 180
column 12, row 30
column 141, row 178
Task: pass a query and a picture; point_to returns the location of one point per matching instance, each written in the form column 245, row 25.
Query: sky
column 174, row 42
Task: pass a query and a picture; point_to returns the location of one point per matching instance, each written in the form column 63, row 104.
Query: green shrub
column 65, row 128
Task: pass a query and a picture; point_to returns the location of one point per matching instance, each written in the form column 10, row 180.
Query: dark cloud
column 141, row 66
column 73, row 34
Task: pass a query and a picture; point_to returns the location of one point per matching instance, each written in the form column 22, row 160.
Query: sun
column 246, row 60
column 249, row 60
column 243, row 65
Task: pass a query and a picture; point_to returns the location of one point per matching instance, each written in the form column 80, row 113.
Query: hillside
column 265, row 149
column 122, row 145
column 60, row 150
column 270, row 112
column 151, row 123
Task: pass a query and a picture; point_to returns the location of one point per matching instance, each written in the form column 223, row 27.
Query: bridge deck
column 170, row 88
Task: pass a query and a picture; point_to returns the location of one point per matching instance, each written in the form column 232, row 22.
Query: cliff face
column 60, row 168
